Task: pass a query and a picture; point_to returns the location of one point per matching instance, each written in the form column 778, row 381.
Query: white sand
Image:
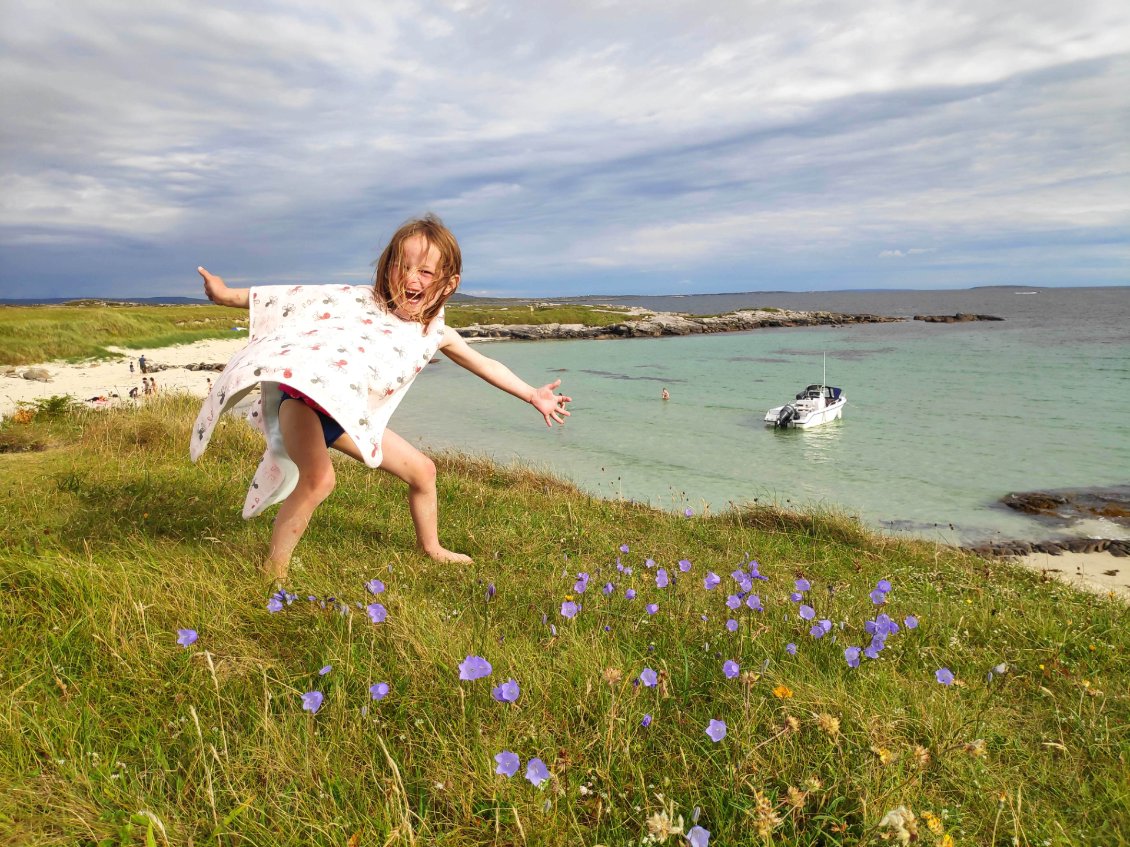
column 104, row 378
column 1099, row 572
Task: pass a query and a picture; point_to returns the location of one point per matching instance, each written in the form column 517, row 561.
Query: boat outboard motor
column 785, row 416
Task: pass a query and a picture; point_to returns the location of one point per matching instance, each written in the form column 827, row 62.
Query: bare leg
column 302, row 435
column 405, row 462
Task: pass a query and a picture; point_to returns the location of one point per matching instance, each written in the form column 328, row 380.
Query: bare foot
column 442, row 554
column 273, row 570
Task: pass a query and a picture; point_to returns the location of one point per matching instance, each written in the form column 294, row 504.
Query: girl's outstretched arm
column 551, row 406
column 219, row 293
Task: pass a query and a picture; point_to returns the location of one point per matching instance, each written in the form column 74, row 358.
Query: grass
column 112, row 734
column 31, row 334
column 458, row 315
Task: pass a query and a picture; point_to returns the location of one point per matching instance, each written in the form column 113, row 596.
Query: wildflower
column 902, row 823
column 830, row 724
column 630, row 594
column 796, row 597
column 507, row 692
column 754, row 602
column 817, row 631
column 377, row 613
column 491, row 591
column 766, row 818
column 813, row 783
column 623, row 548
column 730, row 668
column 947, row 841
column 732, row 625
column 921, row 757
column 878, row 597
column 375, row 586
column 274, row 604
column 697, row 836
column 612, row 675
column 378, row 691
column 661, row 580
column 782, row 692
column 325, row 670
column 711, row 580
column 507, row 763
column 790, row 648
column 791, row 724
column 944, row 676
column 536, row 771
column 652, row 608
column 474, row 667
column 883, row 585
column 661, row 827
column 750, row 677
column 684, row 565
column 646, row 722
column 185, row 637
column 569, row 609
column 608, row 588
column 803, row 584
column 581, row 584
column 883, row 754
column 649, row 677
column 716, row 730
column 933, row 822
column 975, row 748
column 911, row 622
column 312, row 701
column 795, row 797
column 733, row 601
column 807, row 612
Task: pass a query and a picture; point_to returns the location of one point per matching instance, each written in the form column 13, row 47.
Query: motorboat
column 816, row 405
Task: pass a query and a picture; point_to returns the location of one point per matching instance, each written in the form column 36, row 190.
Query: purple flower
column 884, row 586
column 375, row 586
column 711, row 581
column 878, row 597
column 312, row 701
column 911, row 622
column 186, row 637
column 630, row 594
column 803, row 584
column 732, row 625
column 652, row 608
column 646, row 722
column 730, row 668
column 377, row 612
column 796, row 597
column 817, row 631
column 274, row 605
column 491, row 591
column 684, row 565
column 734, row 601
column 649, row 562
column 716, row 730
column 944, row 676
column 661, row 580
column 790, row 648
column 851, row 656
column 807, row 612
column 378, row 691
column 474, row 667
column 581, row 584
column 698, row 837
column 569, row 609
column 623, row 548
column 536, row 771
column 507, row 692
column 746, row 585
column 507, row 763
column 649, row 677
column 688, row 513
column 608, row 588
column 825, row 625
column 754, row 602
column 325, row 670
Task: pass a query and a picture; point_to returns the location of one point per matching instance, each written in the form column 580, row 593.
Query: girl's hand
column 551, row 406
column 219, row 293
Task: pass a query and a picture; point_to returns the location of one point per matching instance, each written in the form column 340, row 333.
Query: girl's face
column 415, row 281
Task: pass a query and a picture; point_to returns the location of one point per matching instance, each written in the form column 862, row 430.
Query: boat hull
column 807, row 419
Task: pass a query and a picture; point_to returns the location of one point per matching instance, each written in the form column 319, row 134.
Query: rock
column 37, row 374
column 960, row 317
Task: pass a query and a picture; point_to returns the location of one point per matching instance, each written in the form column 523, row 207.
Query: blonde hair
column 448, row 269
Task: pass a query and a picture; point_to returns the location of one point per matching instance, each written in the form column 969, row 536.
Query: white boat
column 816, row 405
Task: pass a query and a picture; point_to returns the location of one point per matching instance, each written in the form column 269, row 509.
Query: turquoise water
column 941, row 421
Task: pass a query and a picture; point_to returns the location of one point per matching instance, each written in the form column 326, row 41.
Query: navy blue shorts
column 331, row 429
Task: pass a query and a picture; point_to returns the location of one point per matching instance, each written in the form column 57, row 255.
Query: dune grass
column 32, row 334
column 112, row 734
column 460, row 315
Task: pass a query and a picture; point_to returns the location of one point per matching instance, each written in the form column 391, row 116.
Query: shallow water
column 941, row 421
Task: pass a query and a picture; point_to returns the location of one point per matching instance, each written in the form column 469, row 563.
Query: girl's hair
column 449, row 267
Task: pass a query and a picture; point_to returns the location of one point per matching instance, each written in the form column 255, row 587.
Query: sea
column 942, row 420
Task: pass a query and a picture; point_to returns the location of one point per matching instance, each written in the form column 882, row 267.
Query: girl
column 332, row 363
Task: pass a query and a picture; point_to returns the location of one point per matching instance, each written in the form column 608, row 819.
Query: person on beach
column 665, row 394
column 333, row 363
column 141, row 362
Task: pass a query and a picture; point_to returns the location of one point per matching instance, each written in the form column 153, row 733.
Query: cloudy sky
column 574, row 147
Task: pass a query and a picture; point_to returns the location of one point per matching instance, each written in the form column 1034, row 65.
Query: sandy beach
column 106, row 378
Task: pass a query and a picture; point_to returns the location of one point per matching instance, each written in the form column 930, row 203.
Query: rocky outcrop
column 1072, row 504
column 960, row 317
column 37, row 374
column 669, row 323
column 1053, row 547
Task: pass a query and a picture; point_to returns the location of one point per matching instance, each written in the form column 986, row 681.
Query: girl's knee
column 317, row 483
column 423, row 473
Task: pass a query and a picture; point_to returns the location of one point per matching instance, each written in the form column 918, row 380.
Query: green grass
column 458, row 315
column 31, row 334
column 112, row 734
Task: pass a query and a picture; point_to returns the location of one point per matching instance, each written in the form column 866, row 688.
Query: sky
column 574, row 148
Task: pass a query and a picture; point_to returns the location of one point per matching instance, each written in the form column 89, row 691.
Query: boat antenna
column 825, row 382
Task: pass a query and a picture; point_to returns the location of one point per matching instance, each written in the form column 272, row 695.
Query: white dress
column 338, row 346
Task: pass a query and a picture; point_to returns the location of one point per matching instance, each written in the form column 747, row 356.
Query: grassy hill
column 112, row 733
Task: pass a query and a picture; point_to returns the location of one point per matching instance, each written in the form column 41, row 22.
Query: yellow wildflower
column 884, row 755
column 947, row 840
column 975, row 748
column 782, row 692
column 933, row 822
